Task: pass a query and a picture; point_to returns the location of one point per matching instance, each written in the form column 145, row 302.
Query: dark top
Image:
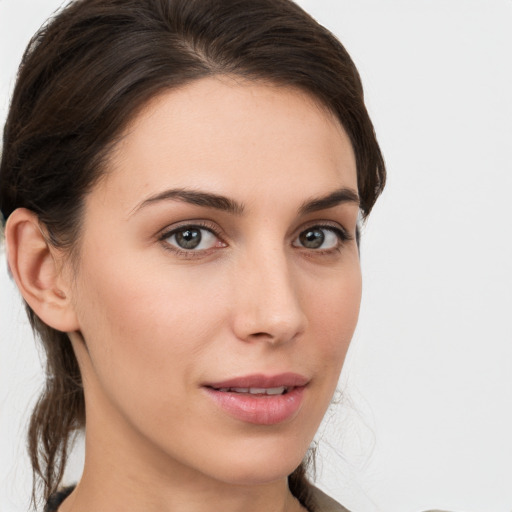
column 56, row 500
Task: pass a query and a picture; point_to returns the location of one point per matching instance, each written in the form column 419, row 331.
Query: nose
column 268, row 304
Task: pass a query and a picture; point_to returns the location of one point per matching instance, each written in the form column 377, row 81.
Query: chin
column 259, row 465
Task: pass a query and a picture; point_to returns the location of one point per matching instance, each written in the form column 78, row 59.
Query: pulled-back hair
column 87, row 73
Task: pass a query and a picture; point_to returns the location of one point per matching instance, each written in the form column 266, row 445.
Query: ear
column 37, row 268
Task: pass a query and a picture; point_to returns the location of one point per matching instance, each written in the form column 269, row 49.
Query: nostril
column 272, row 339
column 262, row 336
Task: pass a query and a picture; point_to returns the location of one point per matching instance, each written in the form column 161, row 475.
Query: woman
column 182, row 182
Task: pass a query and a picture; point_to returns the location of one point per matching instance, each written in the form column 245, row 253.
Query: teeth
column 276, row 391
column 257, row 391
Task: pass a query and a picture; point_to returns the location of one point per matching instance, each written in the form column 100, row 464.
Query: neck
column 89, row 496
column 105, row 491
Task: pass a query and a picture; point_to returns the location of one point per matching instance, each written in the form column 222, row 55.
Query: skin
column 151, row 323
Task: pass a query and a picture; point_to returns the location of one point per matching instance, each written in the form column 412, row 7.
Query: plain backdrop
column 424, row 416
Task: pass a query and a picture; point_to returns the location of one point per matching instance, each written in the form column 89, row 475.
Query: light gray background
column 425, row 419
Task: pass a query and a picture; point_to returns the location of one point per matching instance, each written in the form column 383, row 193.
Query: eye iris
column 312, row 239
column 188, row 238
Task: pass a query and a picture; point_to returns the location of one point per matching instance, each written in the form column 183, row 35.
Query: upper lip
column 262, row 381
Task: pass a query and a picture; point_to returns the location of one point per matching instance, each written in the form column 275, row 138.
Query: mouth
column 260, row 399
column 281, row 390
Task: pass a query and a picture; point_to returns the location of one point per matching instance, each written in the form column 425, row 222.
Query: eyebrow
column 223, row 203
column 340, row 196
column 205, row 199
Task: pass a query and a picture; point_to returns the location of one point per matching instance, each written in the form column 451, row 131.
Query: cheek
column 332, row 318
column 334, row 305
column 145, row 325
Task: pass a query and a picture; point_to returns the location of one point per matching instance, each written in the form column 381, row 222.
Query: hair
column 86, row 74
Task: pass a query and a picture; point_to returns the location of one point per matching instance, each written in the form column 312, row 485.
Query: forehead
column 239, row 138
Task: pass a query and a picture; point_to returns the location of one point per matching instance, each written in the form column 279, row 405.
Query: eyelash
column 342, row 235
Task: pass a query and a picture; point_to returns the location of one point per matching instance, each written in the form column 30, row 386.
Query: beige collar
column 323, row 503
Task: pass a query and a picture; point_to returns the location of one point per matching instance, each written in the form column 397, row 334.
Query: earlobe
column 38, row 272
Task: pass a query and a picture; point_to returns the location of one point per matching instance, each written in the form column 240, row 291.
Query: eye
column 318, row 237
column 192, row 238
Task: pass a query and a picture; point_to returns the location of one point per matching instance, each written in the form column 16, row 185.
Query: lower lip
column 259, row 409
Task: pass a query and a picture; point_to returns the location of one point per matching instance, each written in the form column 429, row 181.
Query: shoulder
column 323, row 503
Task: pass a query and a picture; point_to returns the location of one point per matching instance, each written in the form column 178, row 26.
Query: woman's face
column 218, row 282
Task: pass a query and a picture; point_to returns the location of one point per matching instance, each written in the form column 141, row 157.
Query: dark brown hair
column 87, row 73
